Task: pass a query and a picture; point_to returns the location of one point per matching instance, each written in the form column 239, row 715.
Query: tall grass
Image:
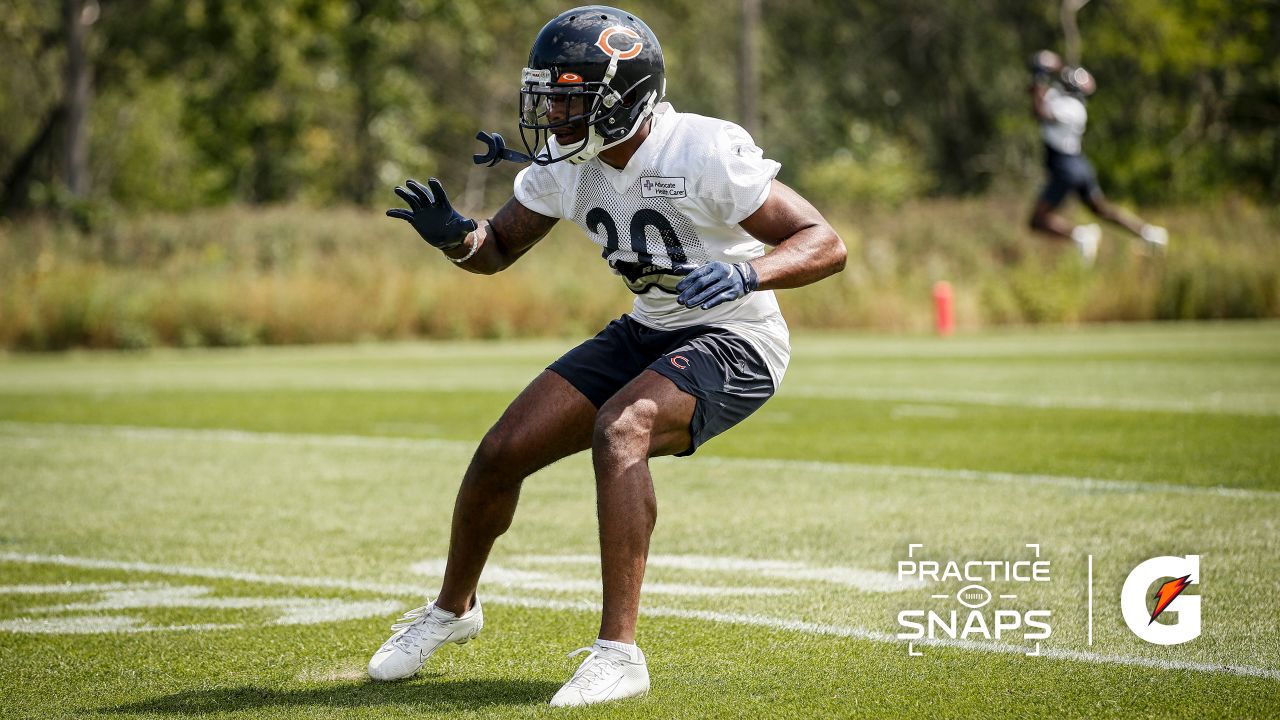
column 239, row 276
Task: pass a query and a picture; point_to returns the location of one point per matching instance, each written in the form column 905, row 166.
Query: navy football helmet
column 602, row 69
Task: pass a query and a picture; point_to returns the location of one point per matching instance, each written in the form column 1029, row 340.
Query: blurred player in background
column 682, row 208
column 1058, row 95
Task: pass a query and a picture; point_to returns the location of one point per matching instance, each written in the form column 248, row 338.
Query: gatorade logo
column 1174, row 574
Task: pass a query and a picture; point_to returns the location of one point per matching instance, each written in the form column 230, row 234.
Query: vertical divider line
column 1091, row 601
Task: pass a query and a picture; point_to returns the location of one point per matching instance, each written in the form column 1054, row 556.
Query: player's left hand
column 716, row 283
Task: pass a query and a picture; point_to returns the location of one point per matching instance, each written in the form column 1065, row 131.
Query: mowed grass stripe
column 34, row 431
column 1226, row 369
column 535, row 603
column 1211, row 406
column 160, row 504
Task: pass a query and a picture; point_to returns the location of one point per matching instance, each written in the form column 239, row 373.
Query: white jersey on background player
column 1064, row 129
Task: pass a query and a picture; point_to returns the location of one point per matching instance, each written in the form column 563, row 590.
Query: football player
column 682, row 208
column 1058, row 95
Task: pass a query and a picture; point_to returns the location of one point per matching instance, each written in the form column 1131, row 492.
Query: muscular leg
column 548, row 421
column 1045, row 220
column 1103, row 208
column 647, row 418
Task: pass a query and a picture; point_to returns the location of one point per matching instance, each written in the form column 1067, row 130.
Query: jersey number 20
column 644, row 218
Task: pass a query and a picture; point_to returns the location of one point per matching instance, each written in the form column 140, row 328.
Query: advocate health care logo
column 987, row 604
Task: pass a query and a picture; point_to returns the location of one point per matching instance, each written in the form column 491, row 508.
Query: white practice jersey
column 1065, row 132
column 677, row 202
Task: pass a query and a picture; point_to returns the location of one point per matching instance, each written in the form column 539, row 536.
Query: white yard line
column 38, row 431
column 97, row 624
column 136, row 432
column 72, row 589
column 293, row 610
column 1086, row 484
column 1210, row 405
column 498, row 575
column 765, row 621
column 213, row 573
column 862, row 579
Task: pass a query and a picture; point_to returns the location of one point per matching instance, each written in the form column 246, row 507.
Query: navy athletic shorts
column 726, row 376
column 1068, row 173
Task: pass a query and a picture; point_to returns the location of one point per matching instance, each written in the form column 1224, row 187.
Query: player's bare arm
column 807, row 248
column 503, row 239
column 1044, row 64
column 1039, row 108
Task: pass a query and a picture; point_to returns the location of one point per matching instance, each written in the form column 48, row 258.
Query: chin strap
column 498, row 151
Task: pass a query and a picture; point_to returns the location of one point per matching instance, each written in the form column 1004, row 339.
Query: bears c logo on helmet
column 611, row 32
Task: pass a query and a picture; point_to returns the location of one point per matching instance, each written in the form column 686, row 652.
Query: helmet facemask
column 609, row 116
column 581, row 105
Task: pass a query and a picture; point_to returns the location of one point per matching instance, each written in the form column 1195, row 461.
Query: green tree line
column 192, row 103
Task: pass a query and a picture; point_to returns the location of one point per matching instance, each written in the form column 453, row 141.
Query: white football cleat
column 418, row 635
column 1086, row 238
column 1156, row 236
column 611, row 672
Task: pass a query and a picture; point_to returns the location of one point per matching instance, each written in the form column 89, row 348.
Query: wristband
column 750, row 278
column 475, row 248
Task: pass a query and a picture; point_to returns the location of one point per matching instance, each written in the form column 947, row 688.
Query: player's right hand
column 431, row 214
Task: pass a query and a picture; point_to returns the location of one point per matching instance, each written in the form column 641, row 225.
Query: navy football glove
column 431, row 214
column 716, row 283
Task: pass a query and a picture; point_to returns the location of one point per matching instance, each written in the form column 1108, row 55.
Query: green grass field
column 232, row 532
